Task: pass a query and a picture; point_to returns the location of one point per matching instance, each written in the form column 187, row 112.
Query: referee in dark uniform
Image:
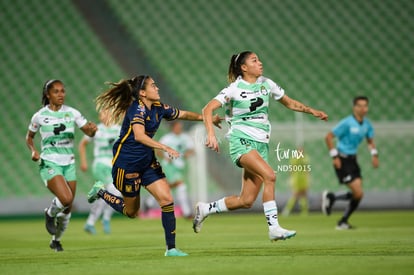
column 349, row 132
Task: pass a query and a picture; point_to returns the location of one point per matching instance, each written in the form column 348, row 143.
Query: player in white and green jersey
column 247, row 105
column 174, row 169
column 103, row 143
column 56, row 123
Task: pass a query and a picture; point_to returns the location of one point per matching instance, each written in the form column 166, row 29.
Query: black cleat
column 50, row 223
column 328, row 200
column 56, row 246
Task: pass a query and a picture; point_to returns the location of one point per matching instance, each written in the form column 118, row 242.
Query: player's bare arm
column 300, row 107
column 187, row 115
column 207, row 111
column 333, row 152
column 29, row 141
column 89, row 129
column 141, row 137
column 82, row 154
column 374, row 152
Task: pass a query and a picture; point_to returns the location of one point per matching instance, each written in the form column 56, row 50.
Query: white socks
column 55, row 207
column 96, row 211
column 217, row 207
column 62, row 221
column 182, row 199
column 270, row 211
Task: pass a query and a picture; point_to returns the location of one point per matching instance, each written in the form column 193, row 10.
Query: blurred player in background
column 103, row 142
column 299, row 184
column 174, row 169
column 136, row 101
column 350, row 132
column 247, row 105
column 56, row 123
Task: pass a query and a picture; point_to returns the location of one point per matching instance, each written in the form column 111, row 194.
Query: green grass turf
column 234, row 243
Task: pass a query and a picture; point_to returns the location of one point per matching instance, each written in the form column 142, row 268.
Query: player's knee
column 66, row 200
column 166, row 200
column 358, row 195
column 131, row 214
column 247, row 203
column 270, row 176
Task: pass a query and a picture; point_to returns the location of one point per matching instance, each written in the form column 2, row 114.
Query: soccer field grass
column 383, row 243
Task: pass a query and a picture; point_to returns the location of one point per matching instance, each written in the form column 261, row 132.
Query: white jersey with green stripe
column 247, row 107
column 103, row 142
column 181, row 143
column 57, row 130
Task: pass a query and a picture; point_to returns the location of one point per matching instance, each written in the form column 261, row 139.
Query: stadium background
column 322, row 52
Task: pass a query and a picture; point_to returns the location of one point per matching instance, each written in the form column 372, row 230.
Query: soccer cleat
column 50, row 223
column 199, row 217
column 93, row 193
column 327, row 202
column 89, row 229
column 280, row 233
column 106, row 226
column 175, row 252
column 344, row 226
column 56, row 246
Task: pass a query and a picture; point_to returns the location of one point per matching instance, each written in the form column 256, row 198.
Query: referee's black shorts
column 349, row 169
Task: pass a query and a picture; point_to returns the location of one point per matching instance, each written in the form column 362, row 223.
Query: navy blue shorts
column 349, row 169
column 129, row 180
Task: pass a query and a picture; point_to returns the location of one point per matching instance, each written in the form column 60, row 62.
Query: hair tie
column 237, row 57
column 48, row 83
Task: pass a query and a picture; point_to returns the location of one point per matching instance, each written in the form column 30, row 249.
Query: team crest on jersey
column 166, row 106
column 263, row 90
column 67, row 118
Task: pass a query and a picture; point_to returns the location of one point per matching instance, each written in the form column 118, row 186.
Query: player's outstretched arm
column 209, row 120
column 187, row 115
column 300, row 107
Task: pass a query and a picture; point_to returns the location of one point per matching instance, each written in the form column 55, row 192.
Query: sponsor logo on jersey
column 354, row 130
column 141, row 108
column 244, row 94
